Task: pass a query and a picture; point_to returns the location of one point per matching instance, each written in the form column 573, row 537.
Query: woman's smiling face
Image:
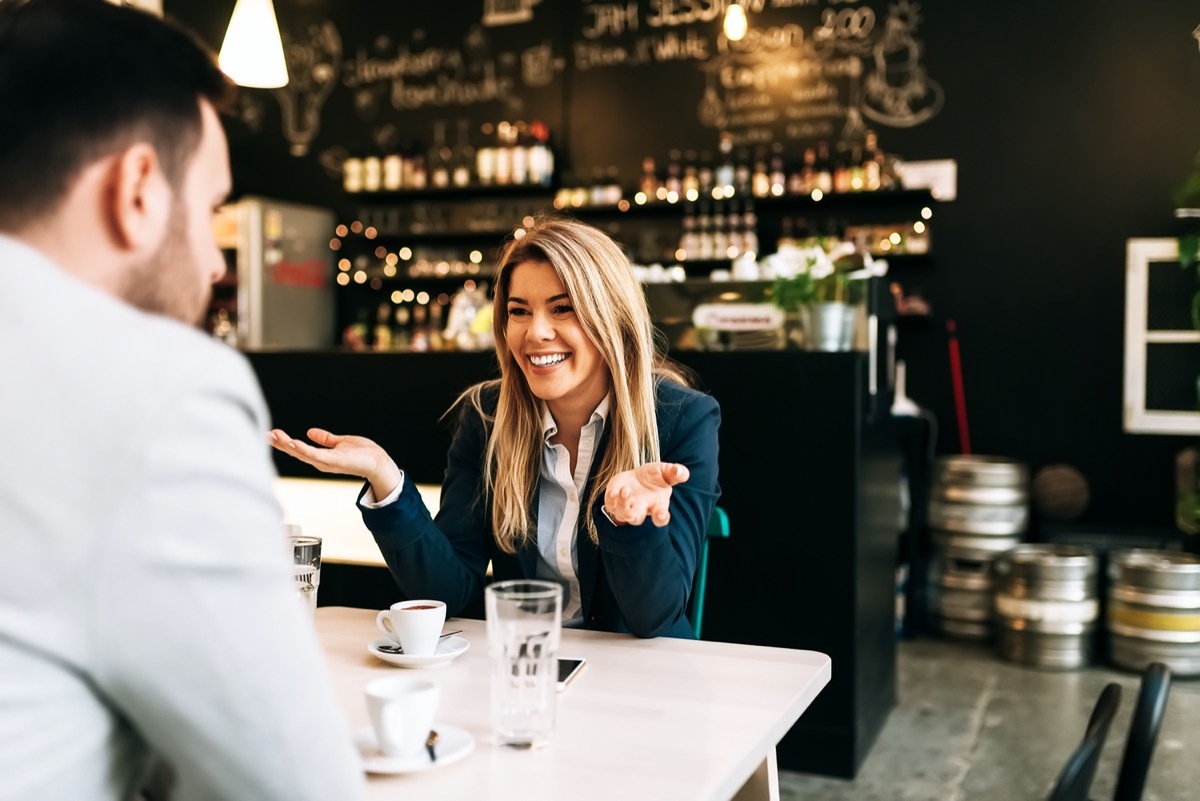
column 546, row 339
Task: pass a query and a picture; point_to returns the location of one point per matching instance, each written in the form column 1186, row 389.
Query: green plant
column 1187, row 206
column 793, row 293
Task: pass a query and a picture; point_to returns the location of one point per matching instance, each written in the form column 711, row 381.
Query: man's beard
column 166, row 283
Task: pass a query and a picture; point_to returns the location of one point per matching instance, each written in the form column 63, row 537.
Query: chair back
column 1143, row 732
column 1075, row 781
column 718, row 528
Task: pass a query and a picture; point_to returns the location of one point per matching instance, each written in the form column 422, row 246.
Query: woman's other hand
column 343, row 454
column 643, row 492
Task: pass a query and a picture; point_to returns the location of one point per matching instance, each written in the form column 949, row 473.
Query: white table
column 327, row 508
column 659, row 719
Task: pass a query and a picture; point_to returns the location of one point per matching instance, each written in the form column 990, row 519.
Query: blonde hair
column 611, row 307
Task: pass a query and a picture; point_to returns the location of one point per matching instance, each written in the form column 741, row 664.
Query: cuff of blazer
column 389, row 522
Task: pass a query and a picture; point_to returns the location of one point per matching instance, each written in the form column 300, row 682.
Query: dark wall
column 1071, row 124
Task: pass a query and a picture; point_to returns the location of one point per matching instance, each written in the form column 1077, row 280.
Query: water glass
column 306, row 559
column 524, row 625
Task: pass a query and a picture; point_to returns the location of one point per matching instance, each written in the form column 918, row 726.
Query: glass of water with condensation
column 306, row 559
column 524, row 624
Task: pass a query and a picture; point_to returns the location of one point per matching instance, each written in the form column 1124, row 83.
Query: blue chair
column 718, row 528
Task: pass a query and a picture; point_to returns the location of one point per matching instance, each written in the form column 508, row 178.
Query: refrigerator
column 278, row 293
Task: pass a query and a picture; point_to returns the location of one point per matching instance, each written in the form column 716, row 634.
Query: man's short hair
column 84, row 79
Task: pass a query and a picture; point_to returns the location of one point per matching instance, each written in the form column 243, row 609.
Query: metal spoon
column 392, row 648
column 430, row 742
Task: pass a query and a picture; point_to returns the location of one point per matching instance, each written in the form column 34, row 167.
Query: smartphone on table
column 568, row 669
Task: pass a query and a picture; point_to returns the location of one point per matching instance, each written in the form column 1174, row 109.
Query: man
column 147, row 612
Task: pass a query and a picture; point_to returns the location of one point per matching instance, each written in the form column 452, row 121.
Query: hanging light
column 252, row 53
column 735, row 22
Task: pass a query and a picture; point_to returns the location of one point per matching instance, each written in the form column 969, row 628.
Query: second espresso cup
column 415, row 625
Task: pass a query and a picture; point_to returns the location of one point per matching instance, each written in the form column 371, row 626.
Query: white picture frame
column 1140, row 253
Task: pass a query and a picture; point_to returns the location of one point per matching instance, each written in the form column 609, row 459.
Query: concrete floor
column 970, row 727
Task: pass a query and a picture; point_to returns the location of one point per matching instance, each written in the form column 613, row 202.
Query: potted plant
column 820, row 292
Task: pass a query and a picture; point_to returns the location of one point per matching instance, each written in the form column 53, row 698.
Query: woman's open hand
column 643, row 492
column 344, row 454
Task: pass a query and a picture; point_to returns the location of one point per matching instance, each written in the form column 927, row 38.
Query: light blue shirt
column 559, row 503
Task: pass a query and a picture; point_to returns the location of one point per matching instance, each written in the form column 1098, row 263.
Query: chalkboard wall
column 1070, row 126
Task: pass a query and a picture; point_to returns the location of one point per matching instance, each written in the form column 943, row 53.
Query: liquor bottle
column 743, row 172
column 674, row 180
column 777, row 177
column 372, row 168
column 735, row 243
column 691, row 177
column 612, row 192
column 439, row 157
column 393, row 171
column 720, row 234
column 872, row 168
column 808, row 171
column 383, row 328
column 706, row 174
column 858, row 176
column 504, row 145
column 648, row 184
column 401, row 338
column 824, row 179
column 689, row 242
column 760, row 180
column 420, row 331
column 704, row 233
column 841, row 169
column 787, row 237
column 750, row 231
column 541, row 157
column 724, row 175
column 463, row 156
column 352, row 177
column 418, row 178
column 519, row 153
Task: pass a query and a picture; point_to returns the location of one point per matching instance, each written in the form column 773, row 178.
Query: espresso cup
column 401, row 710
column 415, row 625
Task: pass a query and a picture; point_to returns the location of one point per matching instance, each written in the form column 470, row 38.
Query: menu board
column 612, row 80
column 804, row 71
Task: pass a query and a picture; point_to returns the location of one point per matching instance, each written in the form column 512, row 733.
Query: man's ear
column 139, row 199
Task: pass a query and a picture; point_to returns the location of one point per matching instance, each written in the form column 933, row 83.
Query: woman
column 588, row 462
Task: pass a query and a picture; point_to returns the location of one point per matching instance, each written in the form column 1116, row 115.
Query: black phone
column 568, row 669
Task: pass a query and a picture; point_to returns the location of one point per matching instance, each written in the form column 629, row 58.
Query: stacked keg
column 1154, row 609
column 978, row 508
column 1046, row 604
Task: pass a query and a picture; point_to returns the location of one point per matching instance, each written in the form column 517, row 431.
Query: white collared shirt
column 559, row 503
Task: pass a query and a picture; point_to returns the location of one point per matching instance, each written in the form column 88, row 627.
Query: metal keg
column 974, row 498
column 1154, row 609
column 960, row 593
column 1046, row 604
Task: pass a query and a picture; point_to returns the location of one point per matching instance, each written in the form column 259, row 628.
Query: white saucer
column 447, row 651
column 453, row 744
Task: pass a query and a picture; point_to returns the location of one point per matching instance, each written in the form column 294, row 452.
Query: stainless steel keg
column 975, row 497
column 960, row 593
column 1154, row 609
column 1046, row 604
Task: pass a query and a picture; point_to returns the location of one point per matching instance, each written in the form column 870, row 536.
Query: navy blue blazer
column 638, row 580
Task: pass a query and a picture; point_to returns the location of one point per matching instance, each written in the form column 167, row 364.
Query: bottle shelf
column 456, row 193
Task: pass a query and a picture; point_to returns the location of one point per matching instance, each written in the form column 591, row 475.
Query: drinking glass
column 306, row 558
column 524, row 625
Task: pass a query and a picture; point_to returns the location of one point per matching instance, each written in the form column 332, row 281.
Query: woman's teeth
column 546, row 361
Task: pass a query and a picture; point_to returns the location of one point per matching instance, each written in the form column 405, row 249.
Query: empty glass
column 306, row 558
column 524, row 625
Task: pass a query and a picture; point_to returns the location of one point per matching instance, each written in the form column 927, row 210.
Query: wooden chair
column 1143, row 732
column 718, row 528
column 1075, row 781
